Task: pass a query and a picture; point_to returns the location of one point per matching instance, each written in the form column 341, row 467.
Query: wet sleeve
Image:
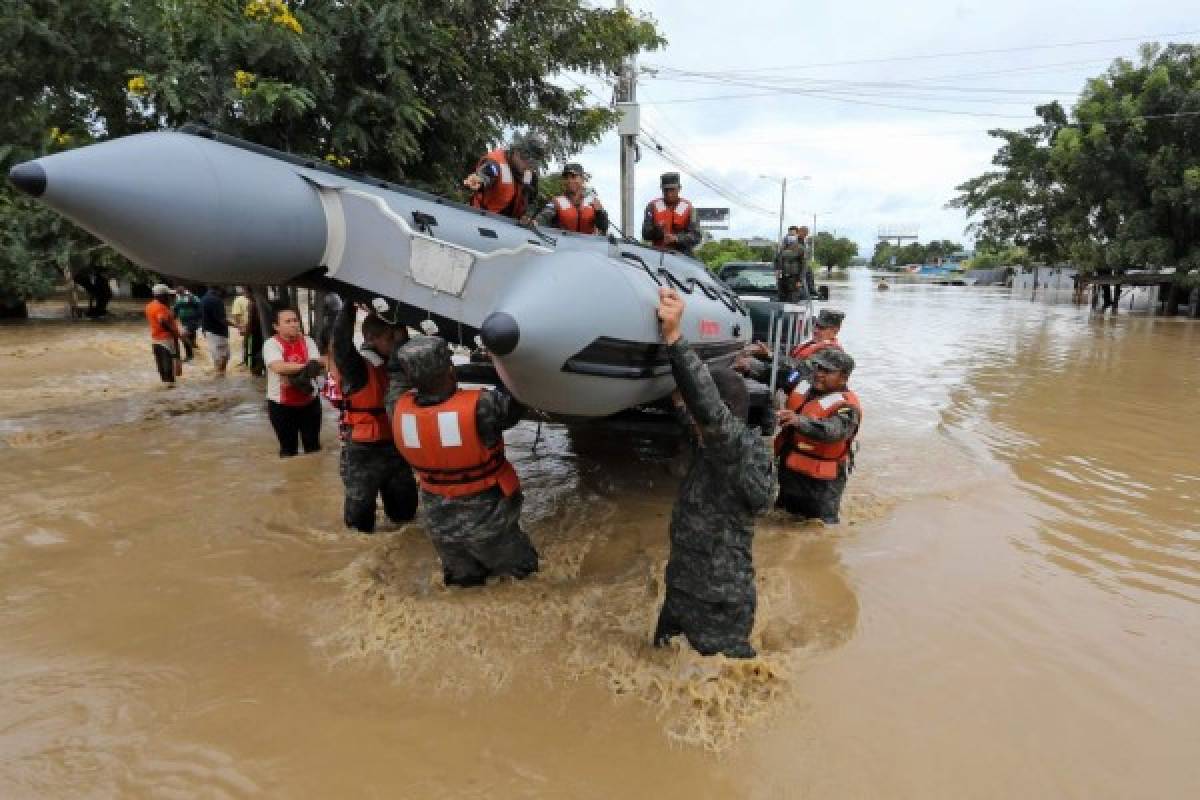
column 546, row 216
column 351, row 366
column 757, row 475
column 690, row 236
column 837, row 428
column 696, row 385
column 530, row 190
column 496, row 412
column 650, row 231
column 602, row 220
column 489, row 173
column 398, row 382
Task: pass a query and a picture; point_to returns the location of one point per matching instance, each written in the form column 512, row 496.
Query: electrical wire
column 963, row 53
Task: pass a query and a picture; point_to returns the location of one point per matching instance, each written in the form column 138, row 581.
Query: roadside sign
column 713, row 219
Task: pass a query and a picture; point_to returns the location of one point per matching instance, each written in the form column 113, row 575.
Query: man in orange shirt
column 164, row 333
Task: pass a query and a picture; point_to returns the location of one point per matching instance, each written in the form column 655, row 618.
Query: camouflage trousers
column 710, row 627
column 369, row 471
column 810, row 498
column 479, row 536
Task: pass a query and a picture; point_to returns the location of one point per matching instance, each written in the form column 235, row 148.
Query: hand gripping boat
column 569, row 319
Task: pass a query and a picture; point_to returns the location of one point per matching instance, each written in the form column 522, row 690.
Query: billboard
column 713, row 219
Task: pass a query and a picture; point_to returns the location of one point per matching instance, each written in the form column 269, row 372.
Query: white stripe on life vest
column 505, row 173
column 659, row 205
column 802, row 388
column 830, row 400
column 683, row 208
column 408, row 431
column 448, row 429
column 563, row 203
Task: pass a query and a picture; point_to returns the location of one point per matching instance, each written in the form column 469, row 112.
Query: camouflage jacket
column 728, row 482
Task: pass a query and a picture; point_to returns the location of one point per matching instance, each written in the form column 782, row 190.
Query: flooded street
column 1011, row 610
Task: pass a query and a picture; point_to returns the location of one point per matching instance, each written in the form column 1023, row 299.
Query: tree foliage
column 410, row 90
column 1003, row 257
column 719, row 252
column 887, row 254
column 1114, row 185
column 831, row 251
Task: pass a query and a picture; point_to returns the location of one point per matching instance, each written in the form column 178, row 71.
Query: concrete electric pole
column 627, row 127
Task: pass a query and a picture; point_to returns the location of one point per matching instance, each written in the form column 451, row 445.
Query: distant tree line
column 887, row 254
column 1112, row 185
column 830, row 251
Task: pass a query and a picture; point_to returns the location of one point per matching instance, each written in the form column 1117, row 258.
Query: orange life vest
column 568, row 216
column 819, row 460
column 504, row 196
column 671, row 220
column 364, row 414
column 442, row 445
column 812, row 346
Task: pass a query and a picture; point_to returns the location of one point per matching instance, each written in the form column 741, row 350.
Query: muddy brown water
column 1010, row 610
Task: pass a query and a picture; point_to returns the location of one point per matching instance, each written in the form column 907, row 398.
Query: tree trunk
column 1194, row 303
column 13, row 309
column 1172, row 308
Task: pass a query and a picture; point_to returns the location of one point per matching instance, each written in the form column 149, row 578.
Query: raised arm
column 351, row 366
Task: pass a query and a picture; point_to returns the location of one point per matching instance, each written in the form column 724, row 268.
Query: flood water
column 1012, row 608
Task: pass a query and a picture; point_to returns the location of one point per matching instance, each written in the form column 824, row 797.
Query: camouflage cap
column 828, row 318
column 670, row 180
column 833, row 359
column 425, row 360
column 530, row 146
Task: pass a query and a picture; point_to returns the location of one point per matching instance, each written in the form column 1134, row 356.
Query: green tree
column 986, row 258
column 1117, row 185
column 913, row 253
column 719, row 252
column 831, row 251
column 411, row 90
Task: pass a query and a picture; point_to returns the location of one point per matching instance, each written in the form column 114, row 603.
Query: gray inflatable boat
column 569, row 319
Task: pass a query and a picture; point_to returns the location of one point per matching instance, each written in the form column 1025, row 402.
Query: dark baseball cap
column 828, row 318
column 425, row 360
column 834, row 359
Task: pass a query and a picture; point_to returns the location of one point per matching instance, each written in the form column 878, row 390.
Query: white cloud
column 869, row 165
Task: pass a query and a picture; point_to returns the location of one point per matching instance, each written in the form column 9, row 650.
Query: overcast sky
column 870, row 165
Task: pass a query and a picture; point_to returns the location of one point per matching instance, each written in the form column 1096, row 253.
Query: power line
column 681, row 162
column 962, row 53
column 688, row 76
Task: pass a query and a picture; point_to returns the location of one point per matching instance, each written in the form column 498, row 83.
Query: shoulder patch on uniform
column 830, row 400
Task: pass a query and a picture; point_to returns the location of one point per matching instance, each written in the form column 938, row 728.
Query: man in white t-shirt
column 293, row 364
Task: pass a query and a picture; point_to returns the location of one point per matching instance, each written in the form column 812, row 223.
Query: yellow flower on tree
column 243, row 79
column 341, row 162
column 276, row 11
column 137, row 85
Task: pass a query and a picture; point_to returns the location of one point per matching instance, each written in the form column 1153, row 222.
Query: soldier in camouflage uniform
column 710, row 594
column 796, row 366
column 793, row 277
column 369, row 465
column 477, row 535
column 814, row 444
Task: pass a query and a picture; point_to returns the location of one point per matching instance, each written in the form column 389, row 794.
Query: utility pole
column 782, row 204
column 627, row 127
